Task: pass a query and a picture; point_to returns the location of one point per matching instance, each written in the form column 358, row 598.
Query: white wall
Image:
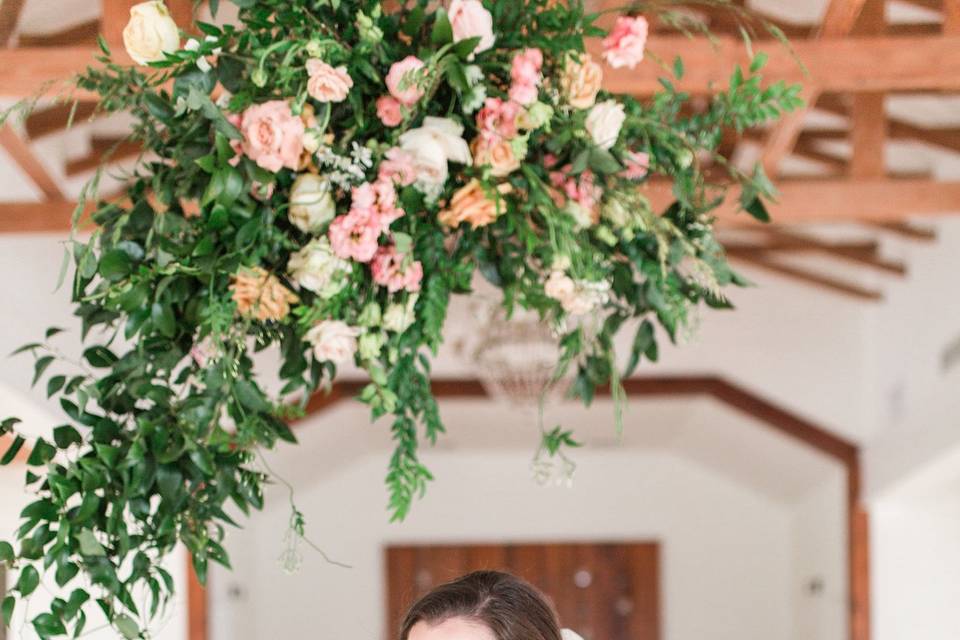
column 726, row 550
column 820, row 555
column 916, row 569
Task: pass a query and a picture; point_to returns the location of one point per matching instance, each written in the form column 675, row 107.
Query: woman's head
column 486, row 605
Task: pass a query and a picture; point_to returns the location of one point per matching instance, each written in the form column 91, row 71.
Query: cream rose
column 581, row 81
column 151, row 32
column 438, row 142
column 316, row 268
column 333, row 341
column 398, row 317
column 604, row 123
column 311, row 203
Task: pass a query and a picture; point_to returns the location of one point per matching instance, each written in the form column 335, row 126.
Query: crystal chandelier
column 516, row 357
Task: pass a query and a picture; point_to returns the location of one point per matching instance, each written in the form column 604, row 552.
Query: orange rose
column 581, row 81
column 260, row 295
column 474, row 205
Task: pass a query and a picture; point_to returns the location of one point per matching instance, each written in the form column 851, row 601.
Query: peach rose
column 404, row 80
column 272, row 135
column 474, row 205
column 260, row 295
column 328, row 84
column 581, row 81
column 496, row 152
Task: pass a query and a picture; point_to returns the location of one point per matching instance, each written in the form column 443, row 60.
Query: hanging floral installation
column 321, row 178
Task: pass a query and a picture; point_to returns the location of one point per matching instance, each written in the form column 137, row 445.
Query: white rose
column 435, row 144
column 311, row 203
column 151, row 32
column 398, row 317
column 470, row 19
column 317, row 268
column 333, row 341
column 604, row 123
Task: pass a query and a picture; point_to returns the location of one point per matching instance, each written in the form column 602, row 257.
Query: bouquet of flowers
column 322, row 178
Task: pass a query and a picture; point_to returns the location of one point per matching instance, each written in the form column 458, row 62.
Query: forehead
column 452, row 629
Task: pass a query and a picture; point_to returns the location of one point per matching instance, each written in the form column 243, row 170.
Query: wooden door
column 602, row 591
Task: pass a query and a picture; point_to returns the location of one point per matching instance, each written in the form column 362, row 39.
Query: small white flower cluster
column 343, row 171
column 577, row 297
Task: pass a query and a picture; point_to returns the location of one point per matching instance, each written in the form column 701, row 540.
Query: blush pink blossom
column 396, row 272
column 526, row 75
column 399, row 166
column 638, row 165
column 328, row 84
column 470, row 19
column 390, row 111
column 524, row 93
column 499, row 117
column 354, row 236
column 625, row 45
column 404, row 80
column 272, row 135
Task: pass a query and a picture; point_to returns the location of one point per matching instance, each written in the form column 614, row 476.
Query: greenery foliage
column 165, row 418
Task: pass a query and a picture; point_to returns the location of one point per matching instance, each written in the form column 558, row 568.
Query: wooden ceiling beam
column 838, row 21
column 868, row 113
column 860, row 254
column 765, row 262
column 951, row 17
column 58, row 118
column 81, row 34
column 20, row 152
column 838, row 200
column 103, row 150
column 10, row 11
column 906, row 230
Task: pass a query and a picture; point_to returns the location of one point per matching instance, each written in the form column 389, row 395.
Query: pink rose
column 395, row 271
column 390, row 111
column 354, row 236
column 499, row 117
column 470, row 19
column 638, row 166
column 328, row 84
column 272, row 135
column 524, row 93
column 625, row 45
column 527, row 66
column 404, row 80
column 399, row 166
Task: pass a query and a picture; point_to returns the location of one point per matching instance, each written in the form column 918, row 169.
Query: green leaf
column 603, row 162
column 9, row 604
column 39, row 367
column 7, row 554
column 6, row 426
column 28, row 581
column 250, row 397
column 678, row 69
column 12, row 452
column 759, row 62
column 47, row 625
column 65, row 436
column 442, row 29
column 758, row 210
column 116, row 265
column 127, row 627
column 164, row 320
column 66, row 572
column 99, row 357
column 54, row 385
column 89, row 545
column 42, row 453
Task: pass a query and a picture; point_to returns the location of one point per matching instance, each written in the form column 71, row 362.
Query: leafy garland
column 309, row 187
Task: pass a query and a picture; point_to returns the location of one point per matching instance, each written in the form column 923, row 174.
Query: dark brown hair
column 510, row 607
